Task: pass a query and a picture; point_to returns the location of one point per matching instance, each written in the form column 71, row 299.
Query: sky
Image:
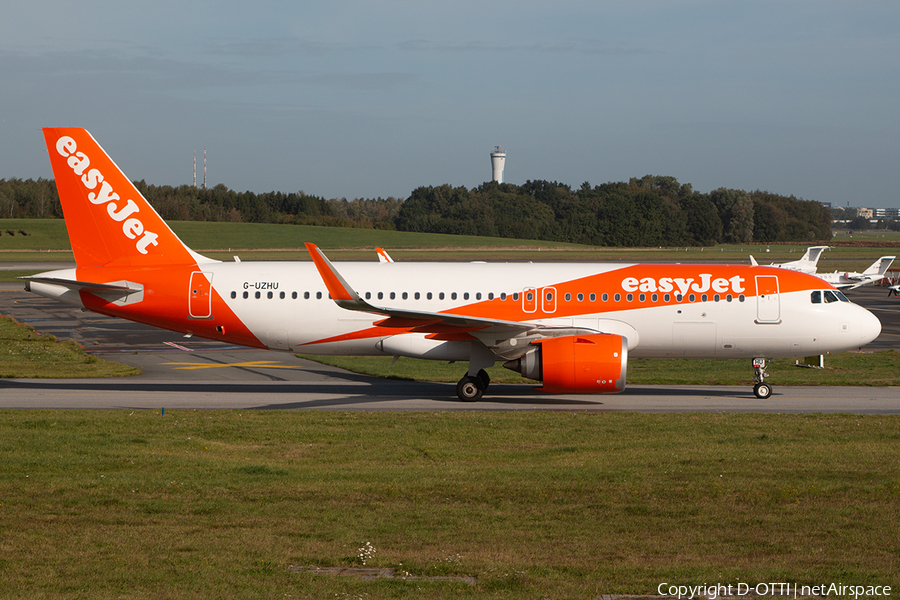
column 362, row 99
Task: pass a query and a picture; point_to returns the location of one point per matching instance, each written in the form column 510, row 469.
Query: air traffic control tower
column 498, row 161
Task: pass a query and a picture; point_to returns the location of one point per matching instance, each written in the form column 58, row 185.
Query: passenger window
column 465, row 295
column 293, row 295
column 515, row 296
column 453, row 295
column 381, row 295
column 667, row 298
column 642, row 297
column 441, row 296
column 233, row 295
column 269, row 295
column 246, row 295
column 318, row 295
column 490, row 295
column 617, row 297
column 654, row 297
column 257, row 295
column 393, row 295
column 581, row 297
column 405, row 295
column 281, row 295
column 306, row 295
column 593, row 297
column 428, row 295
column 368, row 295
column 418, row 295
column 478, row 295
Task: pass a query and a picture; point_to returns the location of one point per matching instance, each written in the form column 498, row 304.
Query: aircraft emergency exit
column 571, row 326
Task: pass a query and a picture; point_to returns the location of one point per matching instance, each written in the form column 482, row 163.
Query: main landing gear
column 470, row 388
column 762, row 390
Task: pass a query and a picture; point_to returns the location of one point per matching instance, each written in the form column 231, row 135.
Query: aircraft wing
column 346, row 297
column 426, row 322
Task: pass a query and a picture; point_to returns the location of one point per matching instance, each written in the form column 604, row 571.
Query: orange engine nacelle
column 576, row 364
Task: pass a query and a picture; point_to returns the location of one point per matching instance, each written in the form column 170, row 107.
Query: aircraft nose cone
column 870, row 327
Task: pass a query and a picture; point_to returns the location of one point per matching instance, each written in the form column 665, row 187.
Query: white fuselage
column 288, row 307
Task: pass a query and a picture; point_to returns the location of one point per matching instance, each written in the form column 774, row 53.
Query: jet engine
column 576, row 364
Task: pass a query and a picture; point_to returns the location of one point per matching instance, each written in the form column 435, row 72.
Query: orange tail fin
column 109, row 222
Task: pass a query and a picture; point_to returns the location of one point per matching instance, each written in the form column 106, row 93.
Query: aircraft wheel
column 469, row 389
column 485, row 379
column 762, row 390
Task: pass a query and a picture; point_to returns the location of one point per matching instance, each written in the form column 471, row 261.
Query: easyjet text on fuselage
column 702, row 284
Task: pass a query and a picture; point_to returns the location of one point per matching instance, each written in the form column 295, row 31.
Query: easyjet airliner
column 571, row 326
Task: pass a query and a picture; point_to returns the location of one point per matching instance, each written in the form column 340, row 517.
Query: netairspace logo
column 778, row 589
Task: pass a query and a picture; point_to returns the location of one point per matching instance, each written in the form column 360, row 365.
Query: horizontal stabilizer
column 87, row 286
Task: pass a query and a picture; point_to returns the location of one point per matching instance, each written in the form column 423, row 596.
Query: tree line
column 650, row 211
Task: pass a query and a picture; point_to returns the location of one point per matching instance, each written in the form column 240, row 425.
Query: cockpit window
column 829, row 296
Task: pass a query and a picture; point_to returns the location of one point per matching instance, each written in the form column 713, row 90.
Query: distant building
column 498, row 162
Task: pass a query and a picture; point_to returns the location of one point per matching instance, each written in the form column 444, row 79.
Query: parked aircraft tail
column 880, row 267
column 109, row 222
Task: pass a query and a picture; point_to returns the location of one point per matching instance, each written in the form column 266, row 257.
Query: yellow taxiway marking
column 268, row 364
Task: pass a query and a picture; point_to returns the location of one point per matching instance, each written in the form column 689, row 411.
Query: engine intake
column 576, row 364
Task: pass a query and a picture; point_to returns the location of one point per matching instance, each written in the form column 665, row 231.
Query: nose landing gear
column 762, row 390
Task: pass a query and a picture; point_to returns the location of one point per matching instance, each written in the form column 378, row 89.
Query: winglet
column 340, row 290
column 383, row 256
column 753, row 261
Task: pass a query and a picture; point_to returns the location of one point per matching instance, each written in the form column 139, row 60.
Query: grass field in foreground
column 112, row 504
column 846, row 368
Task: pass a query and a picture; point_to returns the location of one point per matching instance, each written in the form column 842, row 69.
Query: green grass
column 112, row 504
column 847, row 368
column 27, row 353
column 43, row 234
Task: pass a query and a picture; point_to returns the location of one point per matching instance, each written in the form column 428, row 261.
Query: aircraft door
column 200, row 296
column 768, row 304
column 529, row 300
column 548, row 300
